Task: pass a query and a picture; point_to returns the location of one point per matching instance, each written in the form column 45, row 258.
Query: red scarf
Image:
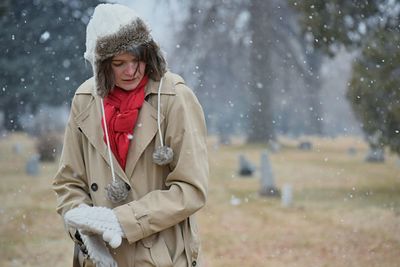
column 121, row 110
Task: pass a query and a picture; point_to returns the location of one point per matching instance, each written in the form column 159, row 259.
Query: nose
column 130, row 68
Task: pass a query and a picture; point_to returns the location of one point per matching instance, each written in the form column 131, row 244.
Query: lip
column 129, row 80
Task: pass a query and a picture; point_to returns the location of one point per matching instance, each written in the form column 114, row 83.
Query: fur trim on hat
column 134, row 34
column 113, row 29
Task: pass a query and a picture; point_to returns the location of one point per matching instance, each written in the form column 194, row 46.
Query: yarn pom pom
column 116, row 191
column 163, row 155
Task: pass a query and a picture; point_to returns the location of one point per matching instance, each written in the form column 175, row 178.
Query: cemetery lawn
column 345, row 212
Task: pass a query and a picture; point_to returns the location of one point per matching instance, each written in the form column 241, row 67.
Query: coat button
column 128, row 186
column 194, row 263
column 94, row 187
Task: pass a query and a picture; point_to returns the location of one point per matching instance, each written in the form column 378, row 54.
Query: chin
column 128, row 86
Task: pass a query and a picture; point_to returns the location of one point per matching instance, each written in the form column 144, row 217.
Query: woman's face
column 128, row 72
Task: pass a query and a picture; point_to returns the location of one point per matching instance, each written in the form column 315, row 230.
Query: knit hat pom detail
column 163, row 155
column 116, row 191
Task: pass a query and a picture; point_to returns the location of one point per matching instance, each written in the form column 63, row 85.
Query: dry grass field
column 345, row 212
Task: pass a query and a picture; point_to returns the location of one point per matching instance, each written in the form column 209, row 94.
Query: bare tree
column 261, row 128
column 246, row 57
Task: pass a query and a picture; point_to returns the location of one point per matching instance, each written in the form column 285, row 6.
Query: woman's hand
column 99, row 220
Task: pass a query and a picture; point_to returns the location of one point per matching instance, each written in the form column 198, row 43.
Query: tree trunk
column 313, row 86
column 261, row 126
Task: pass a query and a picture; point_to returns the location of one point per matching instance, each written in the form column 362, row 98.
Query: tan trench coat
column 157, row 217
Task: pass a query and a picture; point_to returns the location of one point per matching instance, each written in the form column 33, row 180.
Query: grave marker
column 246, row 168
column 268, row 187
column 32, row 166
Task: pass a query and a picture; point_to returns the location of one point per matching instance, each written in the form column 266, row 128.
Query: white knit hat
column 113, row 28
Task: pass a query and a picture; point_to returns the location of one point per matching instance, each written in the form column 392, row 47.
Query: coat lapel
column 146, row 127
column 89, row 121
column 145, row 130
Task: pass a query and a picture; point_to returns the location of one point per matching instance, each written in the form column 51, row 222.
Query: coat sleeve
column 186, row 183
column 70, row 182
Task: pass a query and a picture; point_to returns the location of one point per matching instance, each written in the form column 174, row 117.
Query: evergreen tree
column 42, row 44
column 374, row 89
column 372, row 28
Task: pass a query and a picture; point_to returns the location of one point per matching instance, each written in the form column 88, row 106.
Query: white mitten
column 97, row 251
column 99, row 220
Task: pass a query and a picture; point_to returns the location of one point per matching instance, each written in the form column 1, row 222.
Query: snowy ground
column 345, row 212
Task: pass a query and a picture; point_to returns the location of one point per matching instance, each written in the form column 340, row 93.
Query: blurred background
column 302, row 107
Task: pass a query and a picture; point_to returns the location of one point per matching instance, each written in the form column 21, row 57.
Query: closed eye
column 117, row 63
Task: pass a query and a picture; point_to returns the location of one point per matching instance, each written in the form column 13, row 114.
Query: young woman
column 134, row 165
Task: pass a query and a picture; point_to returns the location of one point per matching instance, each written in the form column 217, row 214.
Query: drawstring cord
column 108, row 139
column 158, row 112
column 162, row 155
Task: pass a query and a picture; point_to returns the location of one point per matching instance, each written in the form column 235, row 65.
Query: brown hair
column 149, row 52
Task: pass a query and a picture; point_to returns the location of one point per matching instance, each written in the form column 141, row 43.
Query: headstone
column 268, row 187
column 274, row 146
column 235, row 201
column 2, row 117
column 375, row 155
column 246, row 168
column 305, row 145
column 17, row 148
column 224, row 139
column 376, row 152
column 32, row 166
column 287, row 195
column 351, row 151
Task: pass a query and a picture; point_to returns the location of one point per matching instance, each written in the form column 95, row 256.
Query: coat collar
column 168, row 86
